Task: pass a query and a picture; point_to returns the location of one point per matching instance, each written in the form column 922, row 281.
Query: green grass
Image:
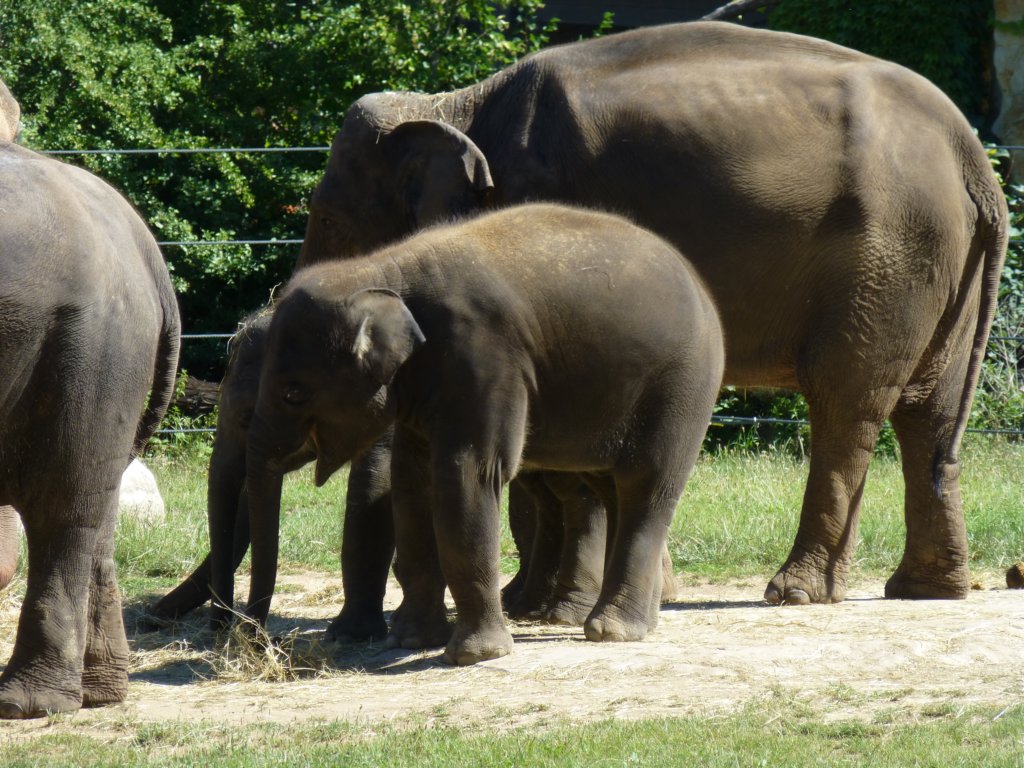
column 737, row 518
column 740, row 511
column 756, row 736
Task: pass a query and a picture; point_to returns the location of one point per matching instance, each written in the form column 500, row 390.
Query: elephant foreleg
column 367, row 547
column 536, row 513
column 581, row 570
column 421, row 621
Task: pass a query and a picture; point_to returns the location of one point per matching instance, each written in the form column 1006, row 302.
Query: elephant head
column 325, row 386
column 387, row 179
column 10, row 115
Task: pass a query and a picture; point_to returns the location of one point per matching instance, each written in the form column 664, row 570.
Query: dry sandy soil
column 717, row 649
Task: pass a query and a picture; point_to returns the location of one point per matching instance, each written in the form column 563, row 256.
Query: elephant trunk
column 228, row 517
column 264, row 492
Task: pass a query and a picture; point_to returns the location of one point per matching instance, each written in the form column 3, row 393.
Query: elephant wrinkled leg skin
column 105, row 669
column 631, row 593
column 819, row 562
column 538, row 512
column 522, row 524
column 934, row 564
column 367, row 548
column 470, row 645
column 581, row 574
column 415, row 628
column 70, row 648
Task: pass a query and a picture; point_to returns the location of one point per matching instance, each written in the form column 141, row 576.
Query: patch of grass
column 740, row 511
column 737, row 518
column 747, row 738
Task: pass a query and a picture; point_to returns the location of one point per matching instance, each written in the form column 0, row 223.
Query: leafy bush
column 947, row 42
column 190, row 74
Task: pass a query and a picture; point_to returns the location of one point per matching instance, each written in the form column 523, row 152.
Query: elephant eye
column 295, row 395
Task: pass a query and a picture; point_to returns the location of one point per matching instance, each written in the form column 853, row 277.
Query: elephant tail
column 165, row 368
column 991, row 238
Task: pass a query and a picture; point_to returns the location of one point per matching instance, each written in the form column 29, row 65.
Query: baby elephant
column 534, row 339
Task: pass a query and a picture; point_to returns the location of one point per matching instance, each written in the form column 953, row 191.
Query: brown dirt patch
column 717, row 649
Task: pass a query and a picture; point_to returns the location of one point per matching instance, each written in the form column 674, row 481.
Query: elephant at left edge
column 10, row 114
column 80, row 351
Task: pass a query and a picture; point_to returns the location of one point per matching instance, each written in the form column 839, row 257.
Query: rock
column 1015, row 576
column 140, row 497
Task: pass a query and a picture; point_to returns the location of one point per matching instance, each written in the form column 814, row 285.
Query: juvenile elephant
column 563, row 590
column 538, row 338
column 368, row 538
column 839, row 208
column 88, row 329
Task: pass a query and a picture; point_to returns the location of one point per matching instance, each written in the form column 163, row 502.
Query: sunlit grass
column 765, row 733
column 737, row 517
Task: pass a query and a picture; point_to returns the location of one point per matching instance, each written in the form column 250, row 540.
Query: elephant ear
column 440, row 169
column 387, row 333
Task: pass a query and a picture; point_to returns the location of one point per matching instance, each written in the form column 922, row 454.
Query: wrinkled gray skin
column 458, row 339
column 839, row 208
column 88, row 328
column 10, row 114
column 368, row 536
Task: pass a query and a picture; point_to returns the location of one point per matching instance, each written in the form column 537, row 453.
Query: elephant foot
column 607, row 625
column 527, row 607
column 412, row 630
column 469, row 646
column 357, row 626
column 104, row 684
column 799, row 583
column 934, row 584
column 511, row 592
column 101, row 690
column 19, row 703
column 570, row 608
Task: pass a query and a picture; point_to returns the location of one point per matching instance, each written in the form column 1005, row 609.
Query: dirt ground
column 718, row 648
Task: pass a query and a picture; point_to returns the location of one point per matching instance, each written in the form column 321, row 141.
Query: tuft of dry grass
column 251, row 654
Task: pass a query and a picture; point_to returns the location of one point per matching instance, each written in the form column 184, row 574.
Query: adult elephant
column 839, row 207
column 89, row 336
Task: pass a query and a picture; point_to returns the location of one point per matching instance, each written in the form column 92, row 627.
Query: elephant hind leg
column 44, row 673
column 105, row 663
column 817, row 568
column 934, row 563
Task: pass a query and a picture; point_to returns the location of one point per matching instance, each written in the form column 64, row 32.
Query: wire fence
column 717, row 419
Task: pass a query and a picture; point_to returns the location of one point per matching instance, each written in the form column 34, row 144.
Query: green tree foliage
column 947, row 41
column 194, row 74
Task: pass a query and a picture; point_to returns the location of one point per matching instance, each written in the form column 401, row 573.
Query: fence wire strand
column 716, row 419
